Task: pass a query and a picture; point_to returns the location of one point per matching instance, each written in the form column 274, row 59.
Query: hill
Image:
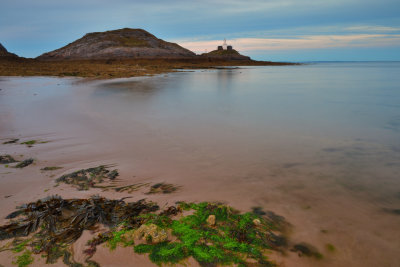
column 118, row 44
column 225, row 55
column 5, row 54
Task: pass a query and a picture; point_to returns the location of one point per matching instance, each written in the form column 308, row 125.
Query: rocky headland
column 120, row 53
column 122, row 43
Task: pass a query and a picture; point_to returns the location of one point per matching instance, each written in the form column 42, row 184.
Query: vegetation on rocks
column 233, row 238
column 50, row 226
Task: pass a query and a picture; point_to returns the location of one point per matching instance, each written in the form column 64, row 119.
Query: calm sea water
column 317, row 143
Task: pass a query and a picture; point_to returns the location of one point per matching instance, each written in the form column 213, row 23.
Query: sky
column 277, row 30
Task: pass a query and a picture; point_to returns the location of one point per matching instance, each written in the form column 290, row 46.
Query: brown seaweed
column 130, row 188
column 24, row 163
column 86, row 178
column 305, row 249
column 51, row 168
column 55, row 222
column 162, row 188
column 6, row 159
column 12, row 141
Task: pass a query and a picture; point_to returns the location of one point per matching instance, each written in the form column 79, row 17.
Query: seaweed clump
column 304, row 249
column 231, row 238
column 51, row 168
column 162, row 188
column 49, row 226
column 86, row 178
column 12, row 141
column 5, row 159
column 24, row 163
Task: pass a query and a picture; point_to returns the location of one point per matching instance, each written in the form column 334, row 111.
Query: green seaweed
column 330, row 247
column 211, row 233
column 233, row 239
column 25, row 259
column 29, row 143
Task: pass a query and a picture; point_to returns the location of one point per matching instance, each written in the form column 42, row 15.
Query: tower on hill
column 224, row 46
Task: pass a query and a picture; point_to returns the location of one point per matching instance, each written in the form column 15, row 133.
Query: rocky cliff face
column 123, row 43
column 5, row 54
column 225, row 55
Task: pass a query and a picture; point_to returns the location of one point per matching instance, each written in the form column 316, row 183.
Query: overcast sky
column 281, row 30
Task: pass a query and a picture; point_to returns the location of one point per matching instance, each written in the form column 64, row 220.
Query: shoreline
column 116, row 68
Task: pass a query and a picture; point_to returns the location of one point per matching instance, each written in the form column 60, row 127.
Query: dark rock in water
column 393, row 211
column 25, row 163
column 272, row 217
column 12, row 141
column 162, row 188
column 86, row 178
column 122, row 43
column 258, row 211
column 51, row 168
column 305, row 249
column 5, row 159
column 113, row 174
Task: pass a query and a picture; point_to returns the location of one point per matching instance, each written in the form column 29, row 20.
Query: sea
column 317, row 143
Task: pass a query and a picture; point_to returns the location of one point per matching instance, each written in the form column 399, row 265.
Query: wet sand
column 334, row 183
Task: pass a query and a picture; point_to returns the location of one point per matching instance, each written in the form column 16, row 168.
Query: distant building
column 224, row 46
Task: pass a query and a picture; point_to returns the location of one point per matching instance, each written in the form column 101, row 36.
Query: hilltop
column 226, row 55
column 5, row 54
column 118, row 44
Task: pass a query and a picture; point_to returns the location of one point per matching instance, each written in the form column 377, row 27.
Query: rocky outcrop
column 225, row 55
column 123, row 43
column 5, row 54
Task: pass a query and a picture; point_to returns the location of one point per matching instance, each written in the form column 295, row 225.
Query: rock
column 211, row 220
column 257, row 222
column 151, row 233
column 119, row 44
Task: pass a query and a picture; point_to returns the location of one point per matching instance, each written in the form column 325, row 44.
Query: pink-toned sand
column 211, row 163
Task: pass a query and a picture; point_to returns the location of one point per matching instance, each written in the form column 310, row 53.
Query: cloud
column 372, row 28
column 298, row 43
